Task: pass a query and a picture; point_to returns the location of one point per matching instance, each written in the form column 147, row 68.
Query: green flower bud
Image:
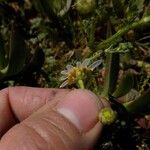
column 107, row 116
column 85, row 6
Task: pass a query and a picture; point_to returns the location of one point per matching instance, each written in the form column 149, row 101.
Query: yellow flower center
column 74, row 75
column 107, row 115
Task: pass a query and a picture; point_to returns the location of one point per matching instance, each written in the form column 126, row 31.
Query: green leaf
column 2, row 53
column 17, row 53
column 138, row 5
column 112, row 69
column 140, row 105
column 125, row 85
column 135, row 7
column 60, row 7
column 52, row 7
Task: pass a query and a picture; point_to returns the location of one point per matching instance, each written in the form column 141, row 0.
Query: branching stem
column 108, row 42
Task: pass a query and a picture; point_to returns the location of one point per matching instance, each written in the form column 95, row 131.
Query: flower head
column 72, row 74
column 107, row 116
column 85, row 6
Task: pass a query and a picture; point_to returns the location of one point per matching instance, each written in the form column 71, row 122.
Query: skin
column 29, row 119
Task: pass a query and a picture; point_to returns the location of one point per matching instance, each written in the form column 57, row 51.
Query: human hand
column 49, row 119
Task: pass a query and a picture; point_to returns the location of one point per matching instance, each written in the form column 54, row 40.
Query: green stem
column 111, row 69
column 108, row 42
column 140, row 105
column 81, row 84
column 121, row 32
column 96, row 55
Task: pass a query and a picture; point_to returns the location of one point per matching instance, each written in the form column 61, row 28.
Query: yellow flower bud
column 85, row 6
column 107, row 116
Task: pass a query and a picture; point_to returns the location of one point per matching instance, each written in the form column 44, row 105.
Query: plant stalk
column 81, row 84
column 113, row 39
column 111, row 69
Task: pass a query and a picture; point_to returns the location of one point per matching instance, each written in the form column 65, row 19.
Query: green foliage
column 137, row 107
column 134, row 9
column 2, row 53
column 125, row 85
column 16, row 54
column 112, row 70
column 52, row 8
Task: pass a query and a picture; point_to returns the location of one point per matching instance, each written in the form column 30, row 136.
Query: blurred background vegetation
column 38, row 38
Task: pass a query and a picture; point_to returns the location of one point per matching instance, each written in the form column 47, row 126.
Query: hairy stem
column 121, row 32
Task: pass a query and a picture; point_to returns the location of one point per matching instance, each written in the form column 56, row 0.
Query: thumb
column 67, row 123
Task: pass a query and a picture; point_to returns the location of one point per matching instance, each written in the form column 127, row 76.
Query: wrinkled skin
column 29, row 119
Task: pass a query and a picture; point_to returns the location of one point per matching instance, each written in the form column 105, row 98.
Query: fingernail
column 81, row 108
